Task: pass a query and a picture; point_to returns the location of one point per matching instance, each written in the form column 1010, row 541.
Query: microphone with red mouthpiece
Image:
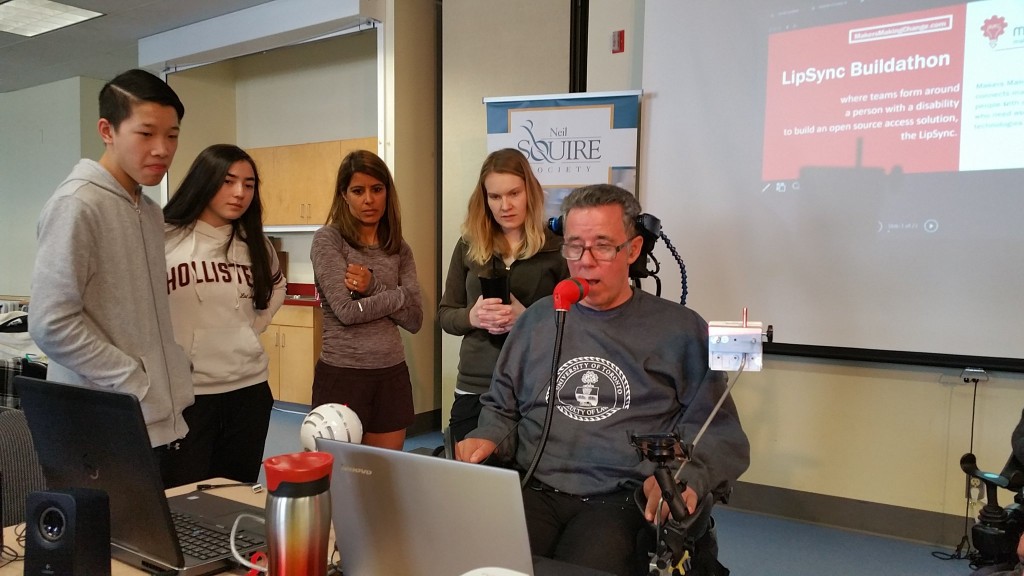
column 568, row 292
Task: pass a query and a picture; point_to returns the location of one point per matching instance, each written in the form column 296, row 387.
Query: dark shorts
column 381, row 397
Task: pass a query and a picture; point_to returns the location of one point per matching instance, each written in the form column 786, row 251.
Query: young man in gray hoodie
column 99, row 307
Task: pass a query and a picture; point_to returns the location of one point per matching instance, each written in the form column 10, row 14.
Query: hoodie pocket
column 138, row 382
column 151, row 383
column 225, row 354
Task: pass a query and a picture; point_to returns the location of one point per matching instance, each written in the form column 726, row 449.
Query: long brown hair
column 389, row 230
column 481, row 230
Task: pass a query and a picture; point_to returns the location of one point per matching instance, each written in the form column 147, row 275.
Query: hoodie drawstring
column 232, row 257
column 234, row 260
column 192, row 259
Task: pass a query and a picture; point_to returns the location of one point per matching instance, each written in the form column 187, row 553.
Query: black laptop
column 94, row 438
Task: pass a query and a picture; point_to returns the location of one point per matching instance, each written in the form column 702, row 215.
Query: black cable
column 967, row 508
column 334, row 563
column 549, row 413
column 959, row 554
column 8, row 555
column 12, row 554
column 255, row 486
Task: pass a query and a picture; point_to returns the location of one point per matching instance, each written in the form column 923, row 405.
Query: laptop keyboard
column 204, row 542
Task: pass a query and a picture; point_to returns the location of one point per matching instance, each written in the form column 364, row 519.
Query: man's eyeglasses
column 602, row 252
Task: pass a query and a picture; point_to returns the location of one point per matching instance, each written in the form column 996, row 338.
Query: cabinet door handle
column 282, row 340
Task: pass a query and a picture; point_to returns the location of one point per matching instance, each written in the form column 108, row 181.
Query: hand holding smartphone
column 496, row 287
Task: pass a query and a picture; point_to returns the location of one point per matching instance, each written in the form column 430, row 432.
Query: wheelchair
column 998, row 529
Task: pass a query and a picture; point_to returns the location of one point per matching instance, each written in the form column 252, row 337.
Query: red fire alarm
column 618, row 41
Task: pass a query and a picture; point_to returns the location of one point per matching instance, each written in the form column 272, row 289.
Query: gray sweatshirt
column 99, row 306
column 640, row 368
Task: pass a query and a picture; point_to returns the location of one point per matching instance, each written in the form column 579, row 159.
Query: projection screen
column 851, row 171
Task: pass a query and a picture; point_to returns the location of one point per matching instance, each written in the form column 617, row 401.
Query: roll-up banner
column 571, row 140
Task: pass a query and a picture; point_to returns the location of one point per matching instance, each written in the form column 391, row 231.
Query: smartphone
column 496, row 287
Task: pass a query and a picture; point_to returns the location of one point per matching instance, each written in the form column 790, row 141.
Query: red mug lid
column 297, row 468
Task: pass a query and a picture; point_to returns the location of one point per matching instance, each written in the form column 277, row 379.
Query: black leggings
column 226, row 436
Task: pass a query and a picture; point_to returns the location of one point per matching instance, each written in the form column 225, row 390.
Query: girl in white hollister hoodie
column 224, row 284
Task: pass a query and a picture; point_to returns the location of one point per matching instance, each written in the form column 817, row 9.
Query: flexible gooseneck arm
column 548, row 412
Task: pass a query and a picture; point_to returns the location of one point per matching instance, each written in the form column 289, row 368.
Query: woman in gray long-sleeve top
column 366, row 276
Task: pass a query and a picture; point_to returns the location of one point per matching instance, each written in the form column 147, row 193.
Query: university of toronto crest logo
column 590, row 389
column 587, row 394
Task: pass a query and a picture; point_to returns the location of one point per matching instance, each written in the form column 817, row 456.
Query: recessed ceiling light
column 34, row 17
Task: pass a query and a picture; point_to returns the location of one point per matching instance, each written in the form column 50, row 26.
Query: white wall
column 313, row 92
column 490, row 48
column 208, row 93
column 879, row 433
column 44, row 131
column 410, row 148
column 607, row 71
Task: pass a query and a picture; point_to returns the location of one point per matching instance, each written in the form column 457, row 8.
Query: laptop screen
column 404, row 513
column 97, row 439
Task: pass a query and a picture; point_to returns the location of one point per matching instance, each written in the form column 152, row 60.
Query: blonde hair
column 481, row 230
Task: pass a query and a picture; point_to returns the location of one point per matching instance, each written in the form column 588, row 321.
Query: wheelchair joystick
column 677, row 537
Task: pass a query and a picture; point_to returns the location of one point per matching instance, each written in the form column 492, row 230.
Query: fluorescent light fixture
column 34, row 17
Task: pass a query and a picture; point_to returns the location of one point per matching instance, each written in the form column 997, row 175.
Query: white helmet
column 334, row 421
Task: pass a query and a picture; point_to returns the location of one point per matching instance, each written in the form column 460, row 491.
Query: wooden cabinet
column 292, row 343
column 297, row 181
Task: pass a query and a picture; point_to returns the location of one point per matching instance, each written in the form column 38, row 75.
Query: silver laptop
column 416, row 515
column 87, row 437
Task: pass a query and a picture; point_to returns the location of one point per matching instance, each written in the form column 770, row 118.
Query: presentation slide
column 852, row 171
column 904, row 93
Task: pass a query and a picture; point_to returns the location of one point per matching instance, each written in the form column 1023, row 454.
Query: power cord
column 334, row 564
column 963, row 550
column 256, row 487
column 9, row 555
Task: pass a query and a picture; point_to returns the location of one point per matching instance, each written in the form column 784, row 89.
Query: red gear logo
column 993, row 28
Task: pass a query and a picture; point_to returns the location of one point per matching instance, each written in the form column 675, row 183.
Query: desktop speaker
column 67, row 532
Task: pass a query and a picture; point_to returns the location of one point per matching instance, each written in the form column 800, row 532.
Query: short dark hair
column 604, row 195
column 135, row 86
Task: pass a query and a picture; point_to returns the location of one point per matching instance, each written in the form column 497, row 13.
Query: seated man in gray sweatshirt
column 99, row 307
column 630, row 363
